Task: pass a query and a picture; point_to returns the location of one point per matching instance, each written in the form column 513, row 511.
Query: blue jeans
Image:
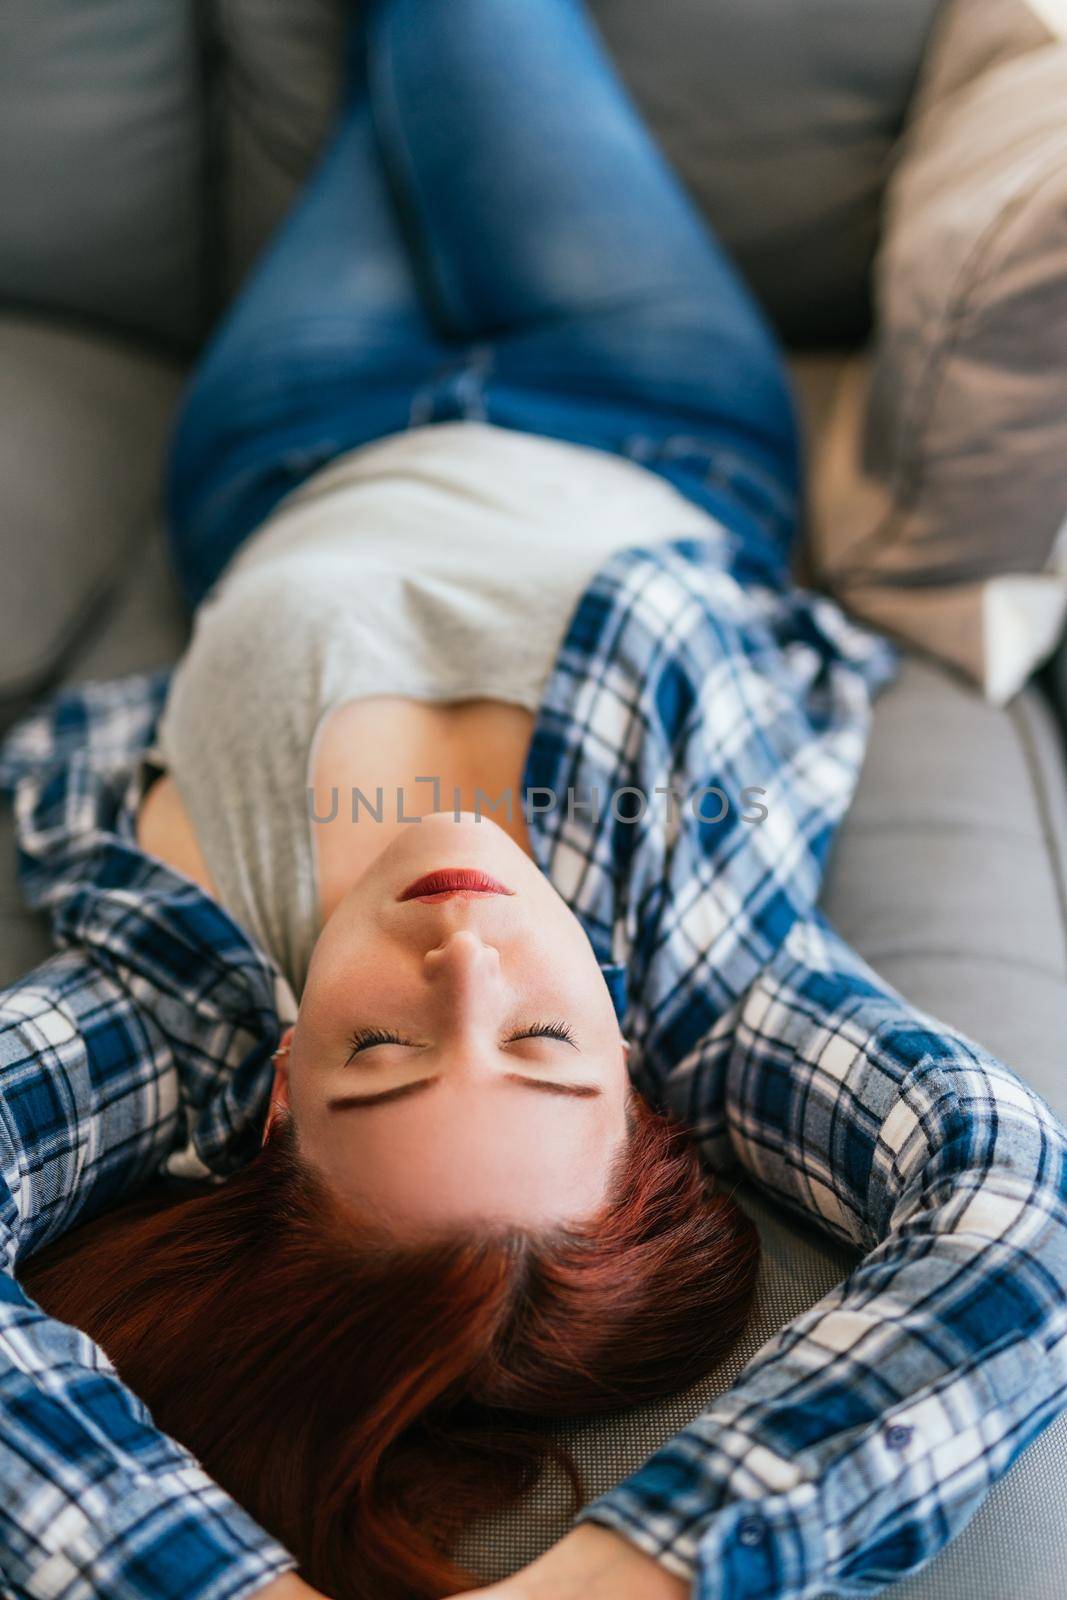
column 492, row 234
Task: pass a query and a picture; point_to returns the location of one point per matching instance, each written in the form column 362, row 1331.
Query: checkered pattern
column 862, row 1436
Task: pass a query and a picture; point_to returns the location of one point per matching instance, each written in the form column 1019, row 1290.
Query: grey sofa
column 147, row 147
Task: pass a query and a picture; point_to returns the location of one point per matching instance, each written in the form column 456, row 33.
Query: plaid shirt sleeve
column 865, row 1434
column 103, row 1054
column 94, row 1500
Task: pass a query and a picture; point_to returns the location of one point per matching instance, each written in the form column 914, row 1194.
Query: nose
column 463, row 962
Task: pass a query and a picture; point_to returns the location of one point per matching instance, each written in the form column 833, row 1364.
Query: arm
column 864, row 1436
column 94, row 1500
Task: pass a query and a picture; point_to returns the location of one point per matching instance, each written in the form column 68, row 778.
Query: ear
column 278, row 1105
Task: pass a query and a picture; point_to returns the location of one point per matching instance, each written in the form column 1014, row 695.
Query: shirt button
column 897, row 1436
column 750, row 1530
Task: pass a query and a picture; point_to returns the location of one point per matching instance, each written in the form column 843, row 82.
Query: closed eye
column 545, row 1030
column 368, row 1038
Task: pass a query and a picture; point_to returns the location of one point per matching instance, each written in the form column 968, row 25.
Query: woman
column 485, row 493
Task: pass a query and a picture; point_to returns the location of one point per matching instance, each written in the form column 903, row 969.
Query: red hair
column 364, row 1398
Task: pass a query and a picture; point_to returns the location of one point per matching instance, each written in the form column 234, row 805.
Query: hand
column 589, row 1563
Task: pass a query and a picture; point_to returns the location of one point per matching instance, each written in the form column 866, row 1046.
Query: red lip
column 447, row 881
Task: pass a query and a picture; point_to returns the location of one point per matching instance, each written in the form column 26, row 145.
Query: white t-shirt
column 442, row 563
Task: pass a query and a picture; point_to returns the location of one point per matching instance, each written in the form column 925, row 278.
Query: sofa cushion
column 948, row 517
column 85, row 419
column 101, row 158
column 1057, row 682
column 950, row 872
column 779, row 116
column 282, row 66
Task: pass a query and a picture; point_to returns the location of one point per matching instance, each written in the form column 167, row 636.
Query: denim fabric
column 491, row 234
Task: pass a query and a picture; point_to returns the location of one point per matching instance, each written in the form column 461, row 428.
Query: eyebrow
column 347, row 1102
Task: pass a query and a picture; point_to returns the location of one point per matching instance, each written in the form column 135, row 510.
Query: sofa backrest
column 148, row 147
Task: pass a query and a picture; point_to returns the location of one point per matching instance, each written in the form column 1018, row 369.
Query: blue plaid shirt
column 859, row 1439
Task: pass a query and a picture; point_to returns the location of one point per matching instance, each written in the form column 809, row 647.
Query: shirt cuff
column 175, row 1536
column 771, row 1548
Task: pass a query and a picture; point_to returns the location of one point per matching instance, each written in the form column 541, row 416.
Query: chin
column 459, row 828
column 463, row 820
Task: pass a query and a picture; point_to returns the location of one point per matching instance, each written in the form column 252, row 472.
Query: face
column 456, row 1056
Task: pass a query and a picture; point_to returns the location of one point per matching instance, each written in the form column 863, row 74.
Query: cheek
column 560, row 964
column 349, row 949
column 347, row 965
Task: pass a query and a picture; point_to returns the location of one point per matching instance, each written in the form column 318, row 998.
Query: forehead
column 477, row 1150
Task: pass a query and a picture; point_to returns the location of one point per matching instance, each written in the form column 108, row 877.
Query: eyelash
column 366, row 1038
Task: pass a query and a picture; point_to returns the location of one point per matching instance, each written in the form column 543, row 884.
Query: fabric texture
column 867, row 1431
column 943, row 503
column 950, row 873
column 85, row 419
column 440, row 564
column 277, row 94
column 102, row 150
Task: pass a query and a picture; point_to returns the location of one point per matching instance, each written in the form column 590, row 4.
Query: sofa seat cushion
column 85, row 422
column 950, row 872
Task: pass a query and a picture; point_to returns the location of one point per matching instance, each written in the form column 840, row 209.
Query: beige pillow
column 939, row 505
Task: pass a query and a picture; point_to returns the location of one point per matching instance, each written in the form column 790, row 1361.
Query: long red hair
column 364, row 1398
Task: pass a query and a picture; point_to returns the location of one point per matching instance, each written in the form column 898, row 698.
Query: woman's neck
column 381, row 762
column 475, row 749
